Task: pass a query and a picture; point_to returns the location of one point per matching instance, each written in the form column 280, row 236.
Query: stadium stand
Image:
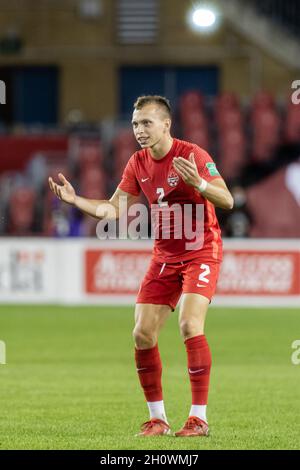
column 244, row 139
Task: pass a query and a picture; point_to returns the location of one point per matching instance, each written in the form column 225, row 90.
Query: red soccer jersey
column 164, row 188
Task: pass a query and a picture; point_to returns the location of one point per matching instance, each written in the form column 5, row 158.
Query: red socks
column 199, row 364
column 149, row 369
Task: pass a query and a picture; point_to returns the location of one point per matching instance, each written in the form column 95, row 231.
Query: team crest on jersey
column 173, row 179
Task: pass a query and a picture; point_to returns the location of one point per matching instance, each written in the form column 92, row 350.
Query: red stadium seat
column 191, row 100
column 232, row 154
column 55, row 166
column 124, row 145
column 121, row 159
column 198, row 136
column 226, row 101
column 124, row 139
column 90, row 156
column 263, row 100
column 53, row 171
column 227, row 111
column 193, row 120
column 93, row 184
column 266, row 122
column 230, row 119
column 266, row 133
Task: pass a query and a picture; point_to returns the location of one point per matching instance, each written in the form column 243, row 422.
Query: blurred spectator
column 37, row 171
column 236, row 223
column 21, row 212
column 60, row 220
column 274, row 204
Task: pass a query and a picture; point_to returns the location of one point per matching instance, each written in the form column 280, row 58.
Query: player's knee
column 190, row 328
column 144, row 338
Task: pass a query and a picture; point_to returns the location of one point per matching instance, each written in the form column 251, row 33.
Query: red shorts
column 164, row 283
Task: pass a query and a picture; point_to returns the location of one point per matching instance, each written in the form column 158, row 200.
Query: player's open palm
column 65, row 192
column 187, row 169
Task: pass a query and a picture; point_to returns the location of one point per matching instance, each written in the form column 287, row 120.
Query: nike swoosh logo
column 143, row 368
column 199, row 285
column 195, row 371
column 144, row 179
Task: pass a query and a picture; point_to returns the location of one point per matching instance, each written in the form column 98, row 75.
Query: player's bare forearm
column 99, row 209
column 217, row 193
column 95, row 208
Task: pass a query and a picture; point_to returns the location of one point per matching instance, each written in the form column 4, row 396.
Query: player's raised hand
column 188, row 170
column 65, row 192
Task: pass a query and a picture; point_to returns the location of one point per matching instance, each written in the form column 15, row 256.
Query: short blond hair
column 153, row 99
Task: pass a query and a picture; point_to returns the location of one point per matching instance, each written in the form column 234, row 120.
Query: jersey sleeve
column 129, row 182
column 206, row 166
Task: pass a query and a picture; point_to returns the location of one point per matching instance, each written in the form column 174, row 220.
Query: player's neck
column 162, row 148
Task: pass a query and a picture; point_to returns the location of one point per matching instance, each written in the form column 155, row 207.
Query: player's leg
column 198, row 277
column 149, row 319
column 157, row 297
column 192, row 316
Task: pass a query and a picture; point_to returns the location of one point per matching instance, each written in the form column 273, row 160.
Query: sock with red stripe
column 199, row 365
column 149, row 369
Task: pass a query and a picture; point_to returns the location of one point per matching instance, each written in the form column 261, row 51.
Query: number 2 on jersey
column 160, row 201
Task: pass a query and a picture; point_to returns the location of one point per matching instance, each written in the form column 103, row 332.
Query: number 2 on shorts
column 202, row 276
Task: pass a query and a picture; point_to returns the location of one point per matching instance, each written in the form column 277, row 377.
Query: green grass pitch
column 70, row 380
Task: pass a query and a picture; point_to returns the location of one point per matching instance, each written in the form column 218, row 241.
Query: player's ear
column 168, row 124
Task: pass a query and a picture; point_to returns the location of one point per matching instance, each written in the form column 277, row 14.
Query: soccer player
column 169, row 171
